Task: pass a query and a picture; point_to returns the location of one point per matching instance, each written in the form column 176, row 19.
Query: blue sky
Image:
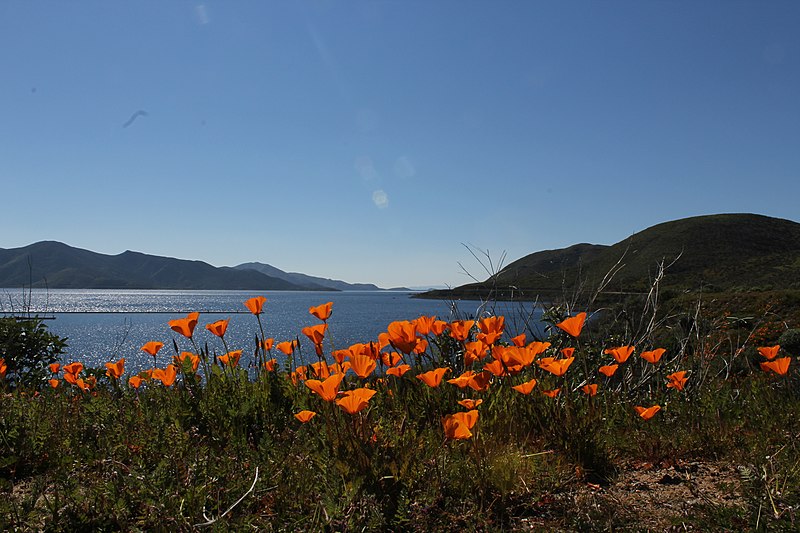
column 368, row 141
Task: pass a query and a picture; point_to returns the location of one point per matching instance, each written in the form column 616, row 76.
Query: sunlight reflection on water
column 103, row 325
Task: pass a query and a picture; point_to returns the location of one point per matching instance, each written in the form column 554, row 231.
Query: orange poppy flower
column 438, row 327
column 567, row 352
column 323, row 312
column 434, row 377
column 423, row 324
column 620, row 353
column 516, row 358
column 327, row 389
column 460, row 329
column 167, row 375
column 82, row 385
column 298, row 374
column 361, row 348
column 495, row 367
column 398, row 370
column 608, row 370
column 230, row 359
column 305, row 416
column 391, row 359
column 70, row 378
column 287, row 347
column 647, row 412
column 352, row 403
column 3, row 368
column 152, row 347
column 512, row 356
column 135, row 382
column 315, row 333
column 53, row 383
column 421, row 347
column 458, row 425
column 115, row 370
column 677, row 380
column 362, row 392
column 218, row 328
column 653, row 356
column 463, row 380
column 519, row 340
column 475, row 351
column 525, row 388
column 491, row 329
column 370, row 349
column 255, row 305
column 383, row 340
column 470, row 418
column 54, row 368
column 271, row 365
column 558, row 367
column 402, row 334
column 185, row 326
column 537, row 348
column 590, row 389
column 470, row 404
column 193, row 361
column 779, row 366
column 73, row 368
column 572, row 326
column 340, row 355
column 362, row 365
column 266, row 344
column 769, row 352
column 320, row 369
column 337, row 368
column 551, row 393
column 480, row 381
column 454, row 429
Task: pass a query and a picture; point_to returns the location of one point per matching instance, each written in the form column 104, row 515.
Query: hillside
column 59, row 266
column 306, row 280
column 729, row 252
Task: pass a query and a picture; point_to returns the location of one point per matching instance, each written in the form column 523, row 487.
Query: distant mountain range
column 305, row 280
column 59, row 266
column 729, row 252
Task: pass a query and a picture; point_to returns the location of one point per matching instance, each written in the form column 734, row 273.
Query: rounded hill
column 726, row 252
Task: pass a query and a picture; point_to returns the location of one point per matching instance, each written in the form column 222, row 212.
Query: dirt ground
column 647, row 497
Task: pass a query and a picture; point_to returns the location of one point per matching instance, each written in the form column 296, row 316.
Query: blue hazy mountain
column 59, row 266
column 309, row 281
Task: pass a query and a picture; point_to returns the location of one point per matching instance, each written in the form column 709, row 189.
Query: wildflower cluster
column 479, row 358
column 429, row 415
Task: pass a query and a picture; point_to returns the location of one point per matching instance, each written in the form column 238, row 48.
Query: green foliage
column 28, row 347
column 228, row 450
column 790, row 341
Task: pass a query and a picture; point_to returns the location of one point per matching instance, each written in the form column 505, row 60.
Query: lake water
column 103, row 325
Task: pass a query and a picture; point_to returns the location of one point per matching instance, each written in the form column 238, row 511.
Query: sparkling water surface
column 103, row 325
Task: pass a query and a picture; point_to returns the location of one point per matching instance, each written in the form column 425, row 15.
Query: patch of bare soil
column 646, row 497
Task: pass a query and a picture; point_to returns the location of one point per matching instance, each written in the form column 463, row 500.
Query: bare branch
column 210, row 521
